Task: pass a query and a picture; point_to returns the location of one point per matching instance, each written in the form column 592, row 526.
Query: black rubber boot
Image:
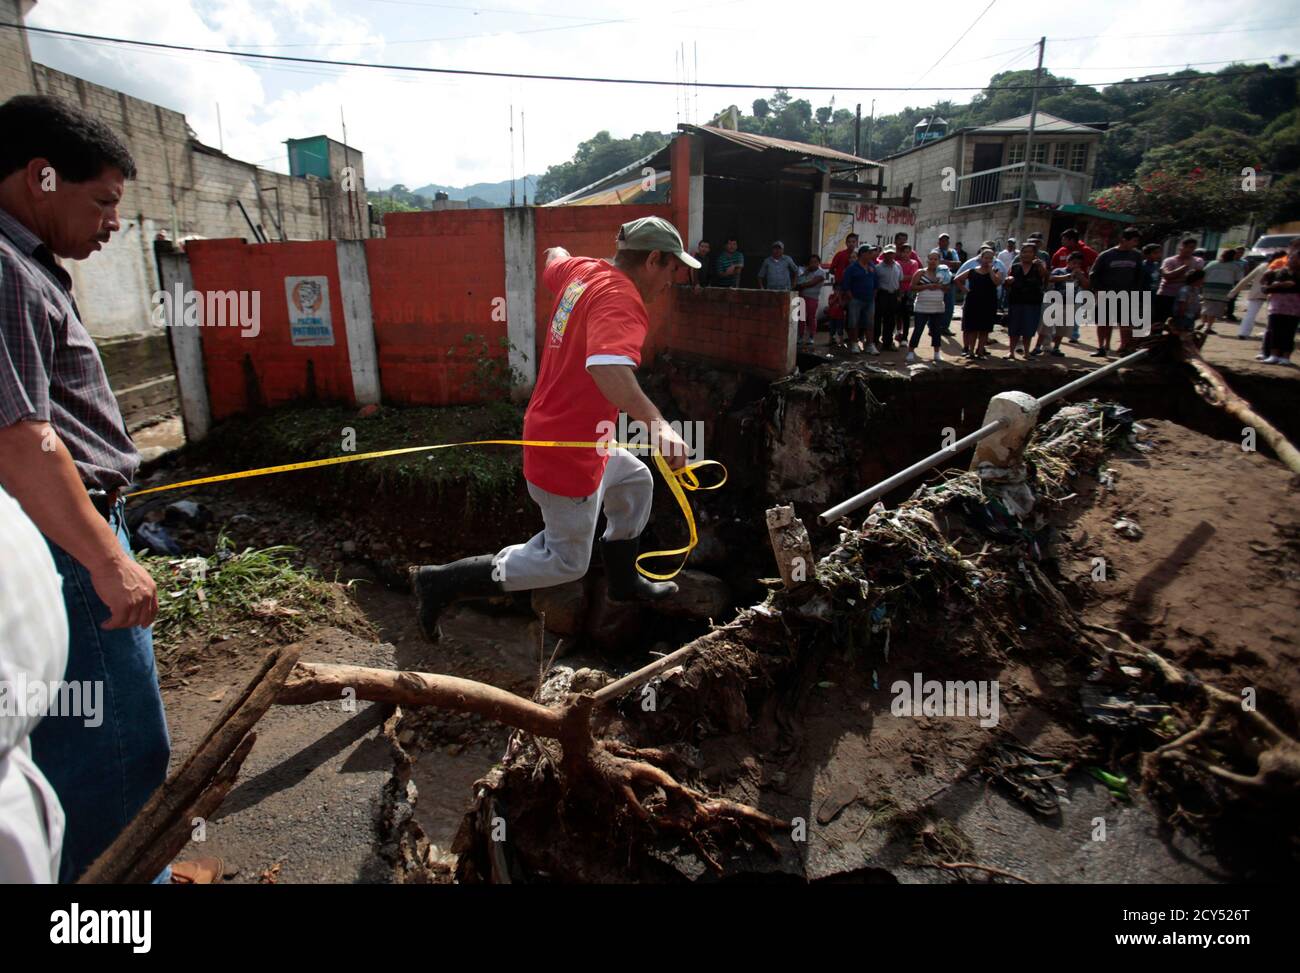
column 626, row 583
column 438, row 586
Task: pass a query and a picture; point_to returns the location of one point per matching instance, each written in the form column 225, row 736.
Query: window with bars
column 1040, row 152
column 1017, row 153
column 1059, row 156
column 1079, row 157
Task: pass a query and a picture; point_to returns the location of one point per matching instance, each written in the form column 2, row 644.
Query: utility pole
column 512, row 154
column 857, row 132
column 1029, row 142
column 871, row 127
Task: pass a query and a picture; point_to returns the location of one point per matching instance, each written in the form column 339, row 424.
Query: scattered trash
column 1128, row 528
column 155, row 538
column 1117, row 784
column 1027, row 775
column 187, row 513
column 1121, row 709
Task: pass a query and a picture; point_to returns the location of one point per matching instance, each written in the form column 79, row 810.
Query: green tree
column 595, row 158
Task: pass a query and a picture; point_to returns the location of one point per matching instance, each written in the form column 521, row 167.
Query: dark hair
column 1186, row 240
column 1276, row 255
column 1152, row 246
column 1131, row 233
column 812, row 257
column 1074, row 256
column 1070, row 233
column 1195, row 275
column 78, row 146
column 1228, row 254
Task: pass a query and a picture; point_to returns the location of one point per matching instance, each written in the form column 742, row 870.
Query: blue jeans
column 103, row 774
column 861, row 316
column 949, row 303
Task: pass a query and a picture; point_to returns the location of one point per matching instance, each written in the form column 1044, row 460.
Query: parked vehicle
column 1268, row 244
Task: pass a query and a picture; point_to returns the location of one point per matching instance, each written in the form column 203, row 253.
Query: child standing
column 1187, row 307
column 810, row 283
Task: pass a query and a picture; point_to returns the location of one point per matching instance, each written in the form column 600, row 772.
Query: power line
column 1185, row 33
column 959, row 39
column 420, row 69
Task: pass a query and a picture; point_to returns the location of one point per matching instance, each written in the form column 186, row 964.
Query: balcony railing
column 1047, row 184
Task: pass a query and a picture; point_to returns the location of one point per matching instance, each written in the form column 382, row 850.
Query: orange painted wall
column 432, row 283
column 241, row 370
column 748, row 329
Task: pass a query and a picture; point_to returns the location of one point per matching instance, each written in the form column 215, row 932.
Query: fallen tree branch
column 312, row 682
column 1212, row 387
column 592, row 769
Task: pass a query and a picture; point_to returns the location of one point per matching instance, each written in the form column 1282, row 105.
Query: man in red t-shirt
column 840, row 262
column 1070, row 244
column 591, row 350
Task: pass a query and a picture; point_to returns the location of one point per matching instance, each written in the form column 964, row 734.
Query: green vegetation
column 596, row 158
column 1169, row 123
column 494, row 376
column 398, row 199
column 489, row 475
column 233, row 591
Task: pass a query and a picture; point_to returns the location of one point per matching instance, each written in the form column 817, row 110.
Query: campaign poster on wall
column 309, row 311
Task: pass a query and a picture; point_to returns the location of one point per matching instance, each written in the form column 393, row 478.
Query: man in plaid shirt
column 65, row 456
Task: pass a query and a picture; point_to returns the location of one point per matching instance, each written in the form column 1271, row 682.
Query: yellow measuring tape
column 679, row 481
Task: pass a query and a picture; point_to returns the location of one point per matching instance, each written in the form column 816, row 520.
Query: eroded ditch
column 801, row 731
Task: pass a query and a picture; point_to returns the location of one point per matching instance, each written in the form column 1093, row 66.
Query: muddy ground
column 1211, row 584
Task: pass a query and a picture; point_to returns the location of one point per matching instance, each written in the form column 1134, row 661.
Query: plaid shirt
column 50, row 369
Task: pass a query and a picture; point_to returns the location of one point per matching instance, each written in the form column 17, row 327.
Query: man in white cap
column 592, row 349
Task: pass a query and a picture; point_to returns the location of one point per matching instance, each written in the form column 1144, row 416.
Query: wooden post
column 162, row 828
column 790, row 544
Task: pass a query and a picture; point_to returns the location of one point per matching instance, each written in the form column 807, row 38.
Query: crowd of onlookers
column 872, row 299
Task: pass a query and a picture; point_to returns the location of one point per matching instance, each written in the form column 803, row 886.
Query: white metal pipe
column 1072, row 387
column 898, row 479
column 903, row 476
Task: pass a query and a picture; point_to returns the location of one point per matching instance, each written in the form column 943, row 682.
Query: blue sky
column 454, row 130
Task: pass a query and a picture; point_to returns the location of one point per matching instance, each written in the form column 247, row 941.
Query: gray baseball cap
column 654, row 233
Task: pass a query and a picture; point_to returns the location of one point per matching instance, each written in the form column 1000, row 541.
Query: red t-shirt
column 1062, row 256
column 598, row 313
column 840, row 263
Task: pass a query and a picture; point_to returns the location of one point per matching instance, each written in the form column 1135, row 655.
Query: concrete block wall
column 437, row 279
column 750, row 330
column 15, row 55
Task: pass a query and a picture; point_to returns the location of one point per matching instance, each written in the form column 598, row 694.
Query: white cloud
column 420, row 128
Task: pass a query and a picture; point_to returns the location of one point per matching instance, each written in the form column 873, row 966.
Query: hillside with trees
column 1163, row 131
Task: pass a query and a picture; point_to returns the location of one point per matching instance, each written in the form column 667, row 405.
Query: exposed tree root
column 1277, row 759
column 596, row 771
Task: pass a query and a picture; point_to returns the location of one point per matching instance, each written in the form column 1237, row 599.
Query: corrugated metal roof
column 764, row 143
column 1045, row 123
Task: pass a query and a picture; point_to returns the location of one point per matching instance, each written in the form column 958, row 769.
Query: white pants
column 1248, row 322
column 562, row 551
column 31, row 822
